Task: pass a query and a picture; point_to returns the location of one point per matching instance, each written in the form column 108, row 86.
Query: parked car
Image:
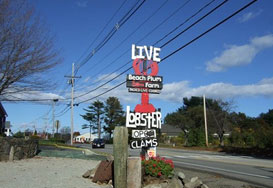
column 98, row 143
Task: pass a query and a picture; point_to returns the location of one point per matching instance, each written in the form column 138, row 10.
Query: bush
column 57, row 140
column 35, row 137
column 158, row 167
column 19, row 134
column 196, row 137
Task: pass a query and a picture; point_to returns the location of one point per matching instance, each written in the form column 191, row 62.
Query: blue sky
column 233, row 62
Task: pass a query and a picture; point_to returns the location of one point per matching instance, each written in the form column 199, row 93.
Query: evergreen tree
column 114, row 115
column 94, row 115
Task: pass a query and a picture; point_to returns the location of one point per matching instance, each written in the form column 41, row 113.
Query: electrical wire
column 128, row 36
column 151, row 31
column 125, row 18
column 102, row 30
column 63, row 113
column 185, row 45
column 188, row 19
column 196, row 22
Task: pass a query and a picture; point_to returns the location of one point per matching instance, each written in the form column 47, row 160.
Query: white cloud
column 81, row 4
column 35, row 96
column 249, row 15
column 239, row 55
column 176, row 91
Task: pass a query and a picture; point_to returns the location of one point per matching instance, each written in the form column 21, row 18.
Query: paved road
column 244, row 168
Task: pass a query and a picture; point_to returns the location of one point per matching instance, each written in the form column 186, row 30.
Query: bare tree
column 26, row 49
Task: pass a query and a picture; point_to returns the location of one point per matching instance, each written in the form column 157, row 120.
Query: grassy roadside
column 66, row 146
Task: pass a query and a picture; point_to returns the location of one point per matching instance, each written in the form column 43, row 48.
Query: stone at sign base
column 134, row 172
column 104, row 172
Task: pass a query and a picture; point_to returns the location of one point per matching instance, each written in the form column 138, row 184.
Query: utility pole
column 205, row 118
column 72, row 82
column 53, row 115
column 45, row 128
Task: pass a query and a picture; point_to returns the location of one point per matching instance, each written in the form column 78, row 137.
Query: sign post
column 120, row 156
column 145, row 119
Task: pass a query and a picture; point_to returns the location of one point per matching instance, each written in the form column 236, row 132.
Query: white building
column 85, row 138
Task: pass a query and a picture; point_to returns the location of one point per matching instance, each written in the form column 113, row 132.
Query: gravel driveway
column 46, row 172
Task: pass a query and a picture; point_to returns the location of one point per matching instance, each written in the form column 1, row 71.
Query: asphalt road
column 244, row 168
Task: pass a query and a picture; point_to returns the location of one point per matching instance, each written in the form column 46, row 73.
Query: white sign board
column 151, row 120
column 151, row 133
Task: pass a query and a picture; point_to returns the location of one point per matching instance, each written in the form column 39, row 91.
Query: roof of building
column 2, row 110
column 87, row 135
column 170, row 130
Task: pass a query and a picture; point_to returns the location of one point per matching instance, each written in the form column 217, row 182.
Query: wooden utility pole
column 53, row 116
column 205, row 120
column 72, row 82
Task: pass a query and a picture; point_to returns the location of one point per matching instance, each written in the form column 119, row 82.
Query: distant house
column 170, row 130
column 85, row 138
column 3, row 116
column 8, row 129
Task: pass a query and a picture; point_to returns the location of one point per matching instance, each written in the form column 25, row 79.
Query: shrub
column 57, row 140
column 196, row 137
column 158, row 167
column 35, row 137
column 19, row 134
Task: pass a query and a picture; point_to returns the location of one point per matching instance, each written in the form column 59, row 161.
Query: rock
column 194, row 179
column 87, row 174
column 181, row 175
column 154, row 186
column 176, row 183
column 11, row 153
column 88, row 152
column 109, row 158
column 21, row 148
column 204, row 186
column 93, row 171
column 194, row 183
column 104, row 173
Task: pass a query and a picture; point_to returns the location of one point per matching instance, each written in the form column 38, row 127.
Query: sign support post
column 120, row 151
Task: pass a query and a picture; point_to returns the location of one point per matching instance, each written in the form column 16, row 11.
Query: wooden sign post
column 120, row 156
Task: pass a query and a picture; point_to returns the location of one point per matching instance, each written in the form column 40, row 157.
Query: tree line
column 225, row 127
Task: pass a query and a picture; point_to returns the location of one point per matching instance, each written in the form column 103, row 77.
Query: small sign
column 152, row 152
column 137, row 144
column 144, row 90
column 133, row 77
column 141, row 84
column 143, row 52
column 151, row 133
column 149, row 120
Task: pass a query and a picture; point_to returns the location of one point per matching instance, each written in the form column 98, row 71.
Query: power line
column 128, row 36
column 188, row 19
column 125, row 18
column 196, row 22
column 185, row 45
column 210, row 12
column 102, row 30
column 151, row 31
column 64, row 112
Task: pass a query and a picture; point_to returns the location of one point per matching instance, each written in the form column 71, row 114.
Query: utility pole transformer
column 72, row 82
